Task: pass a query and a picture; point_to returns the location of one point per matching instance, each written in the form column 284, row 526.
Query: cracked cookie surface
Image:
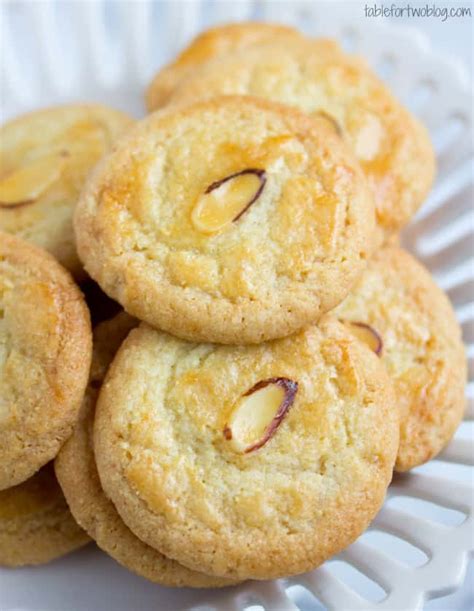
column 421, row 347
column 234, row 220
column 45, row 352
column 209, row 44
column 283, row 506
column 77, row 473
column 317, row 77
column 45, row 157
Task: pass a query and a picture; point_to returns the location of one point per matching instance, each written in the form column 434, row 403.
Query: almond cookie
column 45, row 352
column 399, row 311
column 233, row 220
column 77, row 474
column 208, row 45
column 36, row 525
column 247, row 461
column 45, row 157
column 392, row 147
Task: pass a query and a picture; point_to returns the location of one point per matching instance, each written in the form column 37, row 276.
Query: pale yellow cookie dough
column 36, row 525
column 235, row 220
column 45, row 158
column 247, row 461
column 208, row 45
column 45, row 353
column 77, row 474
column 317, row 77
column 421, row 348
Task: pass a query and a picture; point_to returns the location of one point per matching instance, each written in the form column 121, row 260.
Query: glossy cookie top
column 77, row 473
column 317, row 77
column 45, row 352
column 233, row 220
column 36, row 525
column 419, row 340
column 45, row 157
column 247, row 461
column 208, row 45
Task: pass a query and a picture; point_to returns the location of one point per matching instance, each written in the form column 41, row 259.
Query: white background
column 453, row 37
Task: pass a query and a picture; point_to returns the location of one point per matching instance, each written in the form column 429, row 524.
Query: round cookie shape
column 36, row 525
column 45, row 157
column 392, row 147
column 45, row 353
column 421, row 346
column 77, row 474
column 234, row 220
column 247, row 461
column 208, row 45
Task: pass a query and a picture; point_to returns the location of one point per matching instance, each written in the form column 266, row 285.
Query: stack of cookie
column 45, row 329
column 278, row 356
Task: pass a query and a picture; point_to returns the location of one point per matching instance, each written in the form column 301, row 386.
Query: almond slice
column 368, row 335
column 330, row 119
column 226, row 200
column 259, row 412
column 25, row 185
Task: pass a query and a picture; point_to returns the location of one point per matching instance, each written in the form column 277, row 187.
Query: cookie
column 77, row 474
column 208, row 45
column 392, row 147
column 45, row 352
column 247, row 461
column 234, row 220
column 36, row 525
column 412, row 325
column 45, row 157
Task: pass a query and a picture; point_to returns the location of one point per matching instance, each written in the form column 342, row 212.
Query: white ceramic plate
column 418, row 545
